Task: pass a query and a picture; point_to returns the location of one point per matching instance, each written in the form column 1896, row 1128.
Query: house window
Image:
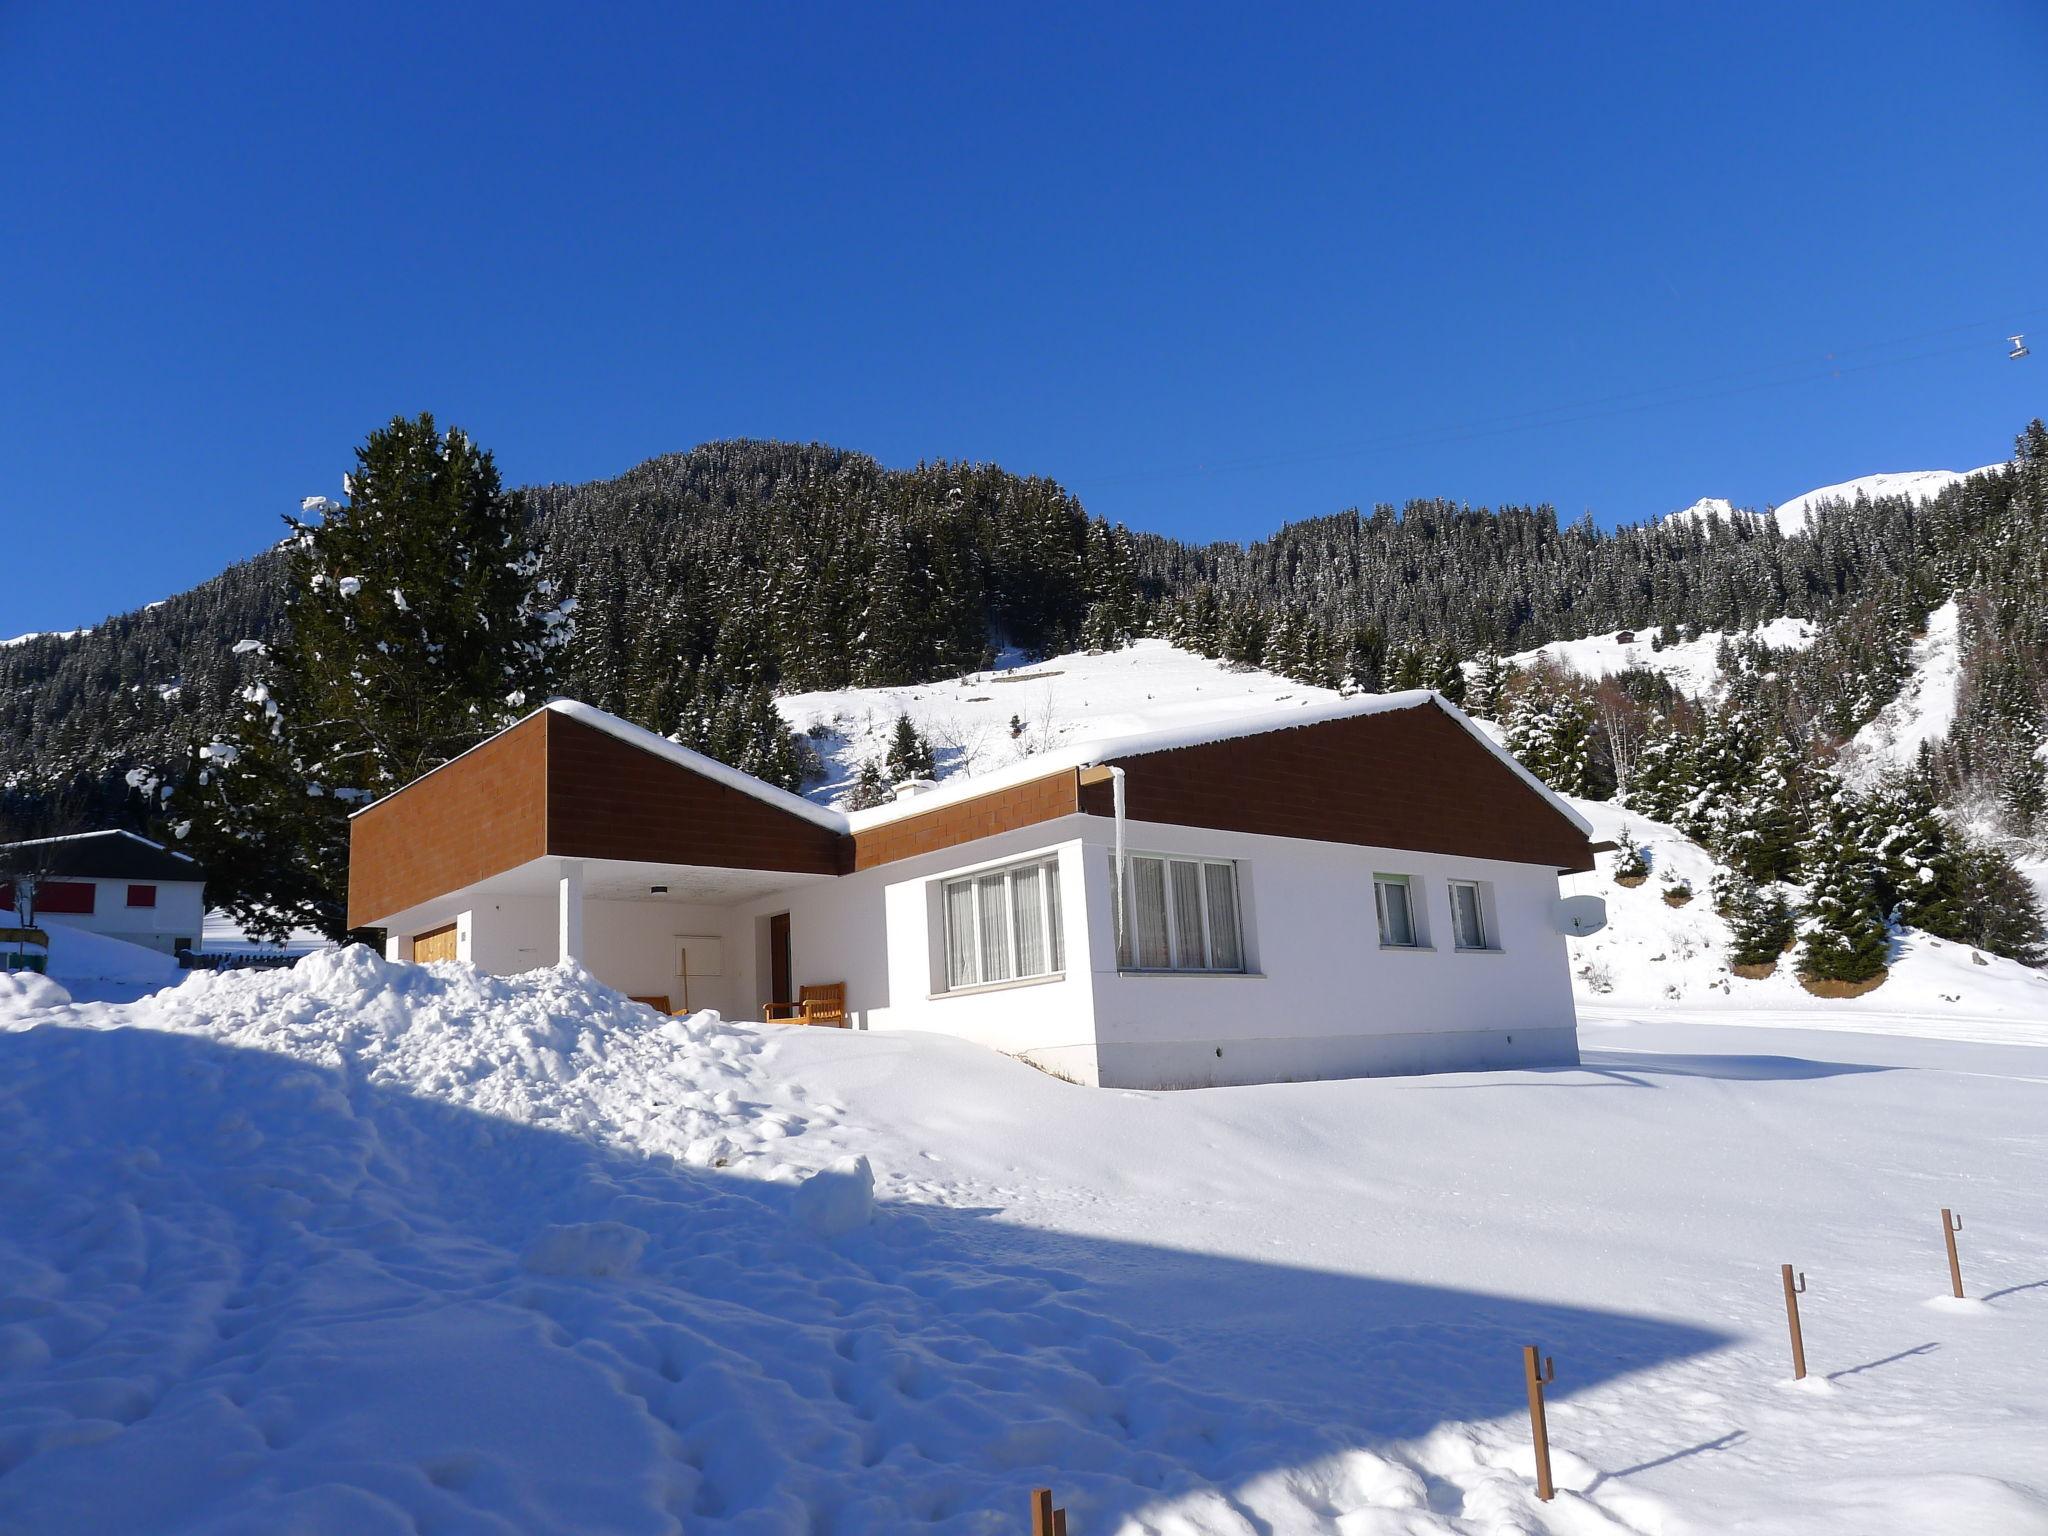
column 1394, row 897
column 1181, row 915
column 1468, row 915
column 1003, row 925
column 141, row 895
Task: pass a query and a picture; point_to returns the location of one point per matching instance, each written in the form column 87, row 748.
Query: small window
column 1181, row 915
column 1003, row 925
column 1468, row 915
column 141, row 895
column 1397, row 911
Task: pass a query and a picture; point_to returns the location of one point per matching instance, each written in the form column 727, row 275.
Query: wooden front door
column 438, row 944
column 779, row 984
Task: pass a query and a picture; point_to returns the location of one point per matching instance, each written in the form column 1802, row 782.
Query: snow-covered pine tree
column 416, row 624
column 1489, row 675
column 1630, row 866
column 870, row 787
column 1843, row 938
column 1762, row 925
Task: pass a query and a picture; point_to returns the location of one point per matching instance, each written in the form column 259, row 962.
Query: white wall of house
column 876, row 931
column 179, row 913
column 1321, row 996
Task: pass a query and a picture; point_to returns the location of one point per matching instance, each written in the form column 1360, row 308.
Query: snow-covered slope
column 1653, row 956
column 1690, row 664
column 1924, row 709
column 986, row 721
column 375, row 1248
column 1920, row 484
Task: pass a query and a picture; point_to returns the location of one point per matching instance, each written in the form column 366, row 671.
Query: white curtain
column 1471, row 930
column 993, row 891
column 1190, row 953
column 1224, row 951
column 960, row 934
column 1027, row 897
column 1148, row 915
column 1397, row 925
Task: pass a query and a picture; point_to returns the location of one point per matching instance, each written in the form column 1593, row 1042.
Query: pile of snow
column 987, row 721
column 80, row 957
column 1692, row 665
column 362, row 1247
column 1658, row 957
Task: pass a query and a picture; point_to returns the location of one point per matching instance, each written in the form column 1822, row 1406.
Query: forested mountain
column 702, row 580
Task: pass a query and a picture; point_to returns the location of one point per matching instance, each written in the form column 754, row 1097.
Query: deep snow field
column 364, row 1248
column 372, row 1248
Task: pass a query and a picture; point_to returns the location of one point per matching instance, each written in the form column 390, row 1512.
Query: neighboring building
column 115, row 883
column 1368, row 886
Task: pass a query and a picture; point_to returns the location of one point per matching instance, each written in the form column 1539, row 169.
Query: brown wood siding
column 434, row 944
column 608, row 799
column 475, row 817
column 1002, row 810
column 1412, row 778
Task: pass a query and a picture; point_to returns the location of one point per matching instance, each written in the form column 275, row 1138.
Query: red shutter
column 69, row 896
column 141, row 895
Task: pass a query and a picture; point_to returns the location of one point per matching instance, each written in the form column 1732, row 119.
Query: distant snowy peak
column 1794, row 515
column 1920, row 484
column 1706, row 510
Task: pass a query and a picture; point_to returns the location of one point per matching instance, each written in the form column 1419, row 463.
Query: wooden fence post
column 1792, row 1294
column 1950, row 1226
column 1539, row 1376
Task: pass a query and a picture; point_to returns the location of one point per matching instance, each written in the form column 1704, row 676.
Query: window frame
column 1488, row 941
column 1051, row 919
column 1201, row 863
column 1418, row 937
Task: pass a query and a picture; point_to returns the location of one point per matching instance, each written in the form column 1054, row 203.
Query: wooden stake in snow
column 1045, row 1520
column 1540, row 1375
column 1792, row 1294
column 1950, row 1226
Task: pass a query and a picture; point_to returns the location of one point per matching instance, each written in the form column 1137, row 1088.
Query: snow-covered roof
column 113, row 854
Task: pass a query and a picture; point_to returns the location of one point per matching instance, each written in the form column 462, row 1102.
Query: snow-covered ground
column 1692, row 665
column 985, row 721
column 374, row 1248
column 1653, row 956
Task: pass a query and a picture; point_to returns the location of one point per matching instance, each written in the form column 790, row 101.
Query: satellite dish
column 1578, row 916
column 2019, row 346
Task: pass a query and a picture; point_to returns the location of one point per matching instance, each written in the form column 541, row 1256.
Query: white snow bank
column 367, row 1248
column 78, row 956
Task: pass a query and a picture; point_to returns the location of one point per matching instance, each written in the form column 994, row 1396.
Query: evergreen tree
column 416, row 624
column 1630, row 866
column 870, row 788
column 1843, row 936
column 910, row 755
column 1490, row 674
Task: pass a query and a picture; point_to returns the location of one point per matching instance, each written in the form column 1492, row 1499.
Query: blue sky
column 1212, row 269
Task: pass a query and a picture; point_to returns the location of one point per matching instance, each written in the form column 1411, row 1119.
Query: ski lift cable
column 1548, row 416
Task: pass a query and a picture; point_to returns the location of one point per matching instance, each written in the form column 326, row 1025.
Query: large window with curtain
column 1181, row 914
column 1003, row 925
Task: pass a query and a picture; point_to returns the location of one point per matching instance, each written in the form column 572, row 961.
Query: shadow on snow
column 234, row 1281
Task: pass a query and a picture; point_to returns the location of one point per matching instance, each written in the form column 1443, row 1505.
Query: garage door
column 439, row 944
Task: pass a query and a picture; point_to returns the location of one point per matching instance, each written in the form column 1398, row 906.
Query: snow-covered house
column 1352, row 887
column 116, row 883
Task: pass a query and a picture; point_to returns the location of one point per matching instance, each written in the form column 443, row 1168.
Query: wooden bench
column 823, row 1004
